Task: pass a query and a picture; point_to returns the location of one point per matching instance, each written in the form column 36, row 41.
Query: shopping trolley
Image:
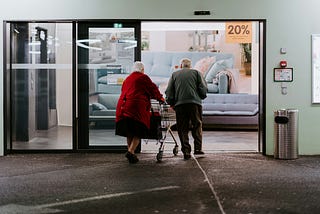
column 163, row 117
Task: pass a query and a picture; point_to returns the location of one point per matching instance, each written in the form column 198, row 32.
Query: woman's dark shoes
column 132, row 158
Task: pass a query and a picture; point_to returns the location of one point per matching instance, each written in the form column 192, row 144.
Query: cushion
column 109, row 100
column 98, row 107
column 216, row 68
column 213, row 88
column 204, row 64
column 103, row 80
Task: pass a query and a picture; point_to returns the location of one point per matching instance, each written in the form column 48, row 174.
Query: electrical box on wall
column 283, row 74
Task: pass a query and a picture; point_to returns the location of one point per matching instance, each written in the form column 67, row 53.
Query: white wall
column 178, row 41
column 290, row 24
column 157, row 41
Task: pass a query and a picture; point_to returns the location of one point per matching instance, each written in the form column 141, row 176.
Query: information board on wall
column 315, row 68
column 238, row 32
column 283, row 74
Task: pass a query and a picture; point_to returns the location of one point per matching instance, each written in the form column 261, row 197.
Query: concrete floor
column 106, row 183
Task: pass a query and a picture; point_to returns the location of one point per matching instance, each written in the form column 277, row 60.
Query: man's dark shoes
column 186, row 156
column 198, row 152
column 132, row 158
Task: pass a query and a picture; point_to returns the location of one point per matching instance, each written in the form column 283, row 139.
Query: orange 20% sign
column 238, row 32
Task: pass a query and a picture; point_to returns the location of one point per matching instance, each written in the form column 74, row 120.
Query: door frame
column 83, row 85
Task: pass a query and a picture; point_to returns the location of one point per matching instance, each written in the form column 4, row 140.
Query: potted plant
column 144, row 45
column 246, row 51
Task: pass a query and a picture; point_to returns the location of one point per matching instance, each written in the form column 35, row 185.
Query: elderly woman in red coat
column 133, row 108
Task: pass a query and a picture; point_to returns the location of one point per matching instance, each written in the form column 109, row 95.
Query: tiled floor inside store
column 213, row 141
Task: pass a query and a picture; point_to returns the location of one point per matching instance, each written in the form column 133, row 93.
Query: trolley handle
column 163, row 103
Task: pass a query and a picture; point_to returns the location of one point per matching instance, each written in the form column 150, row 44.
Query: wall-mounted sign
column 238, row 32
column 315, row 38
column 283, row 74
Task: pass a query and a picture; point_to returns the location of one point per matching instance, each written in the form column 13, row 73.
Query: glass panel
column 111, row 53
column 41, row 85
column 165, row 43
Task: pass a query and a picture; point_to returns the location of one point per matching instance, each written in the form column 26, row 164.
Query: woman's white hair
column 138, row 66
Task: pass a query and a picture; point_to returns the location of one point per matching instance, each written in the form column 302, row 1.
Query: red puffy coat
column 134, row 101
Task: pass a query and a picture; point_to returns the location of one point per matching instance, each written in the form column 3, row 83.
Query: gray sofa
column 232, row 110
column 102, row 113
column 219, row 110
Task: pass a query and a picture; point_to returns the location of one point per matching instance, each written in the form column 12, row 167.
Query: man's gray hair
column 138, row 66
column 185, row 63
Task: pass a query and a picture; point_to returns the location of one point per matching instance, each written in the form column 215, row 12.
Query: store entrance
column 63, row 79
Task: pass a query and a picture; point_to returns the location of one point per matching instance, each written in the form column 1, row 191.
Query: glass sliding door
column 106, row 52
column 40, row 85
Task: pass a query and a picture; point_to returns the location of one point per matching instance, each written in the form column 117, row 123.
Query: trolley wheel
column 159, row 156
column 175, row 150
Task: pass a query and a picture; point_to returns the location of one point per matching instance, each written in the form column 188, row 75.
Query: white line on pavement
column 106, row 196
column 211, row 186
column 47, row 208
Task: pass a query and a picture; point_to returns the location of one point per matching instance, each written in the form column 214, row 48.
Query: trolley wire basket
column 163, row 117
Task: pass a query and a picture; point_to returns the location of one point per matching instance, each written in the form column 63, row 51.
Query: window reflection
column 41, row 82
column 111, row 55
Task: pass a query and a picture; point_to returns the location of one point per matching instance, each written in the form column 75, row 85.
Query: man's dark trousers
column 189, row 116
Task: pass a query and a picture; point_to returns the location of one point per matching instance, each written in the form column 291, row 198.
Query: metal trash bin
column 286, row 134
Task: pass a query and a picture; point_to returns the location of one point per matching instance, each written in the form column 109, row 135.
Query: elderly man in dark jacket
column 185, row 92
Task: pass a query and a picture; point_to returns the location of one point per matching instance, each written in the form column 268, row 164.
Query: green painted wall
column 290, row 24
